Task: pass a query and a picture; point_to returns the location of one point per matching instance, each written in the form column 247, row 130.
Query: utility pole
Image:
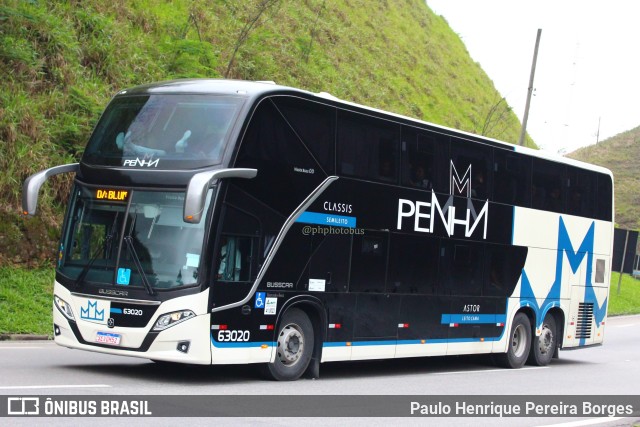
column 624, row 254
column 598, row 134
column 530, row 89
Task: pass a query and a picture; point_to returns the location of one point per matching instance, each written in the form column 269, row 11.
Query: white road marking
column 589, row 422
column 22, row 387
column 491, row 370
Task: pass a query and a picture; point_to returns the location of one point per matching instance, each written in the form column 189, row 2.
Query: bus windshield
column 163, row 131
column 125, row 237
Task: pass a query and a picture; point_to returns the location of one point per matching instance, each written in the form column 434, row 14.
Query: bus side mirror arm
column 199, row 184
column 31, row 186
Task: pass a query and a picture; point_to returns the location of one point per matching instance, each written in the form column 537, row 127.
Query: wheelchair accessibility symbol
column 124, row 276
column 260, row 297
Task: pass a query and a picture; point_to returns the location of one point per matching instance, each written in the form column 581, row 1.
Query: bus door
column 234, row 271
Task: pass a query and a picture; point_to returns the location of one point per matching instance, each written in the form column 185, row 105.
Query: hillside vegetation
column 61, row 61
column 621, row 154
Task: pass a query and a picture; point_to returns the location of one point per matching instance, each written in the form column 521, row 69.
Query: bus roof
column 259, row 89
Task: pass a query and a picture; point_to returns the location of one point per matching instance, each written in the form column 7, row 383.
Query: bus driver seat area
column 201, row 143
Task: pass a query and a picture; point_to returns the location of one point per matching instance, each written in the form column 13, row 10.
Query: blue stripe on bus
column 116, row 310
column 334, row 344
column 447, row 340
column 472, row 319
column 242, row 344
column 326, row 219
column 406, row 342
column 359, row 343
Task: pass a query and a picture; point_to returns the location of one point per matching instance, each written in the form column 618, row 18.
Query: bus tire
column 294, row 347
column 519, row 343
column 543, row 347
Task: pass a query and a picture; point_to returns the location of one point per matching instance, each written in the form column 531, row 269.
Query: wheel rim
column 545, row 342
column 290, row 344
column 519, row 341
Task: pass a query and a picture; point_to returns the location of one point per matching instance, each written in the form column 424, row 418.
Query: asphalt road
column 43, row 368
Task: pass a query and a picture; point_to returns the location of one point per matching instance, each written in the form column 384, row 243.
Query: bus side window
column 368, row 147
column 604, row 198
column 581, row 191
column 512, row 173
column 548, row 186
column 315, row 124
column 471, row 169
column 234, row 259
column 419, row 160
column 236, row 246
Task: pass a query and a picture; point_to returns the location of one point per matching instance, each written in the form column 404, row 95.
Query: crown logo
column 91, row 312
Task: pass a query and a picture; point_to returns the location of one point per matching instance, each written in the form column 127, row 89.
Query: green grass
column 628, row 302
column 26, row 299
column 64, row 60
column 620, row 155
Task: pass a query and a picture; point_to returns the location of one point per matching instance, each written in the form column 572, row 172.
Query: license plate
column 108, row 338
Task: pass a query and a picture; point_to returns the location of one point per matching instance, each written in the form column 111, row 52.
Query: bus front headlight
column 64, row 307
column 168, row 320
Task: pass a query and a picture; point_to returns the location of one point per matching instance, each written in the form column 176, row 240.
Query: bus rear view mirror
column 31, row 186
column 195, row 198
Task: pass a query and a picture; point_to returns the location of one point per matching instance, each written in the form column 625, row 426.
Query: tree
column 253, row 21
column 496, row 116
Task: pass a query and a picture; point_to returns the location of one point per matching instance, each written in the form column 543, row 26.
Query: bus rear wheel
column 294, row 349
column 519, row 343
column 544, row 346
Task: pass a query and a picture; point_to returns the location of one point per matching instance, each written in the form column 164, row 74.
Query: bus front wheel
column 544, row 346
column 294, row 347
column 519, row 343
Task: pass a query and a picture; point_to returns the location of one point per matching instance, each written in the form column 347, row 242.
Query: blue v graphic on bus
column 260, row 298
column 124, row 276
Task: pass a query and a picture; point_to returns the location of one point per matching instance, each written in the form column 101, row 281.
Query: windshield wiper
column 136, row 260
column 85, row 270
column 134, row 254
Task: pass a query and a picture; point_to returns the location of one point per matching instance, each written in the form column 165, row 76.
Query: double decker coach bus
column 232, row 222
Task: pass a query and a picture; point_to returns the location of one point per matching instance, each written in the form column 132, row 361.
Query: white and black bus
column 228, row 222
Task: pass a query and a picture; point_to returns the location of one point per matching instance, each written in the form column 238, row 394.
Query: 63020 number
column 235, row 335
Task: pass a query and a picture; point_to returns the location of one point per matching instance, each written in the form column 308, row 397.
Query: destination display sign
column 112, row 194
